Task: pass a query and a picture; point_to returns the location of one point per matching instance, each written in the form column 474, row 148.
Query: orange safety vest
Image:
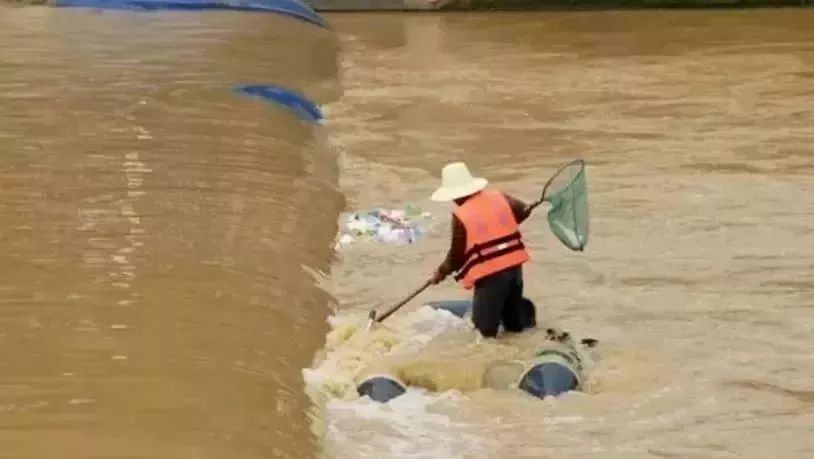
column 493, row 240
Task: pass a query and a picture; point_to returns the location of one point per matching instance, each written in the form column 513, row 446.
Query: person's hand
column 437, row 277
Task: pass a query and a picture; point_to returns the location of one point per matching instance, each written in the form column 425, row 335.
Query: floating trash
column 384, row 226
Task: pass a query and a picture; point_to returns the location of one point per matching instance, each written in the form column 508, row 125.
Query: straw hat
column 457, row 182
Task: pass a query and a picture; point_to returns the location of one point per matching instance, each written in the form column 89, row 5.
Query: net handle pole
column 535, row 204
column 374, row 317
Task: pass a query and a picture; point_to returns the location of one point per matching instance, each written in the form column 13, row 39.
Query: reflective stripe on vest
column 493, row 240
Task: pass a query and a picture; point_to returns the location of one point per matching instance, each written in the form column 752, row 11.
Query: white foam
column 419, row 423
column 408, row 426
column 412, row 425
column 350, row 347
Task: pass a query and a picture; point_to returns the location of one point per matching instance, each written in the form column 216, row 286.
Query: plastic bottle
column 400, row 235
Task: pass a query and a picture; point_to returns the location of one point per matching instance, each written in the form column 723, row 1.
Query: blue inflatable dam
column 294, row 8
column 291, row 100
column 543, row 378
column 381, row 388
column 456, row 307
column 460, row 308
column 549, row 379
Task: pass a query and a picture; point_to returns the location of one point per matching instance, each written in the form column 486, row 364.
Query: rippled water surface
column 155, row 226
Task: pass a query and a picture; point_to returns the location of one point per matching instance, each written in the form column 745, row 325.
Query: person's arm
column 520, row 209
column 455, row 255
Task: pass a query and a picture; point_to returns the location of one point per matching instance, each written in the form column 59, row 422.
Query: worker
column 486, row 251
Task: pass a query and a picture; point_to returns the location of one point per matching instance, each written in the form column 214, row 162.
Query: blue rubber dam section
column 294, row 8
column 286, row 98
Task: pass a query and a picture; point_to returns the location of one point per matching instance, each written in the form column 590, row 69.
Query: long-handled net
column 567, row 192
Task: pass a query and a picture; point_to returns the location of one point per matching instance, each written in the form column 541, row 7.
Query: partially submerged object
column 293, row 8
column 381, row 387
column 556, row 367
column 288, row 99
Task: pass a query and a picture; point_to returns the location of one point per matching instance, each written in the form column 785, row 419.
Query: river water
column 167, row 245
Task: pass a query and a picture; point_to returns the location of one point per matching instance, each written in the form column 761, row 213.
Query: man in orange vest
column 486, row 250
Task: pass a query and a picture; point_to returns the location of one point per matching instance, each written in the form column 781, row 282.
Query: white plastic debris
column 384, row 226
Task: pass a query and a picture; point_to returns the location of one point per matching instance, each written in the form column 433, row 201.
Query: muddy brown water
column 155, row 227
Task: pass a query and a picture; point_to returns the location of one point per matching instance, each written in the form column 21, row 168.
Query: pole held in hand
column 374, row 317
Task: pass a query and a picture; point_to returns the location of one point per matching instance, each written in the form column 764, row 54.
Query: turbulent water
column 166, row 243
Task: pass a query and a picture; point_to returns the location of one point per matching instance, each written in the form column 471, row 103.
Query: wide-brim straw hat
column 457, row 182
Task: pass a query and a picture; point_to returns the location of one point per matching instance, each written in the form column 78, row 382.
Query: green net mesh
column 568, row 195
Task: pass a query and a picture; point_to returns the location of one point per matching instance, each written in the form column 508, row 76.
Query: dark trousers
column 499, row 299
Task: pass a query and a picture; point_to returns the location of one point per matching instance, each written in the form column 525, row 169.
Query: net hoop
column 559, row 171
column 574, row 232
